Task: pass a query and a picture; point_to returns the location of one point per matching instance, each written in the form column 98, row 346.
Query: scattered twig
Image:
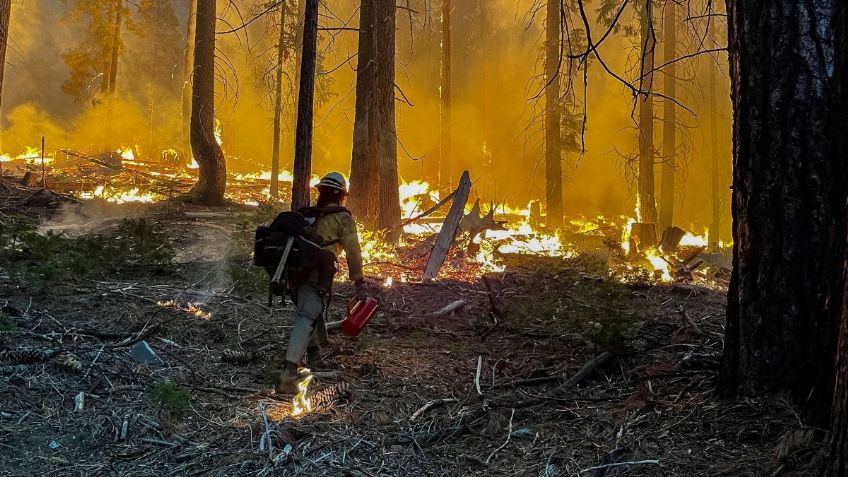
column 430, row 405
column 620, row 464
column 508, row 437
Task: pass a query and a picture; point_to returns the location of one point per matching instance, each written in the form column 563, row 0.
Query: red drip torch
column 359, row 312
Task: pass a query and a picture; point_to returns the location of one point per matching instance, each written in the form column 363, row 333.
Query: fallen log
column 447, row 234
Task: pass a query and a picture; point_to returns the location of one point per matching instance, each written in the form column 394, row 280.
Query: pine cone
column 25, row 356
column 72, row 363
column 237, row 356
column 328, row 396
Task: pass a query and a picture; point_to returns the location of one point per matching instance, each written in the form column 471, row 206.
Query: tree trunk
column 278, row 105
column 374, row 159
column 445, row 177
column 364, row 172
column 212, row 182
column 789, row 192
column 116, row 46
column 715, row 225
column 188, row 64
column 646, row 203
column 553, row 129
column 669, row 163
column 839, row 431
column 5, row 14
column 306, row 95
column 383, row 110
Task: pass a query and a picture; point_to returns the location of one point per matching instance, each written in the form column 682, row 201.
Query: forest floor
column 72, row 309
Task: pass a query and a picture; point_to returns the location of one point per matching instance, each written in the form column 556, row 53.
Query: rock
column 141, row 352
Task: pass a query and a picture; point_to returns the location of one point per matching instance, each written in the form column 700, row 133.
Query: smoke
column 497, row 69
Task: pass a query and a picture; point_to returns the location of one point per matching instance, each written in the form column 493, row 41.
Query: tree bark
column 445, row 178
column 374, row 160
column 646, row 203
column 212, row 182
column 715, row 193
column 669, row 163
column 553, row 128
column 388, row 212
column 188, row 65
column 305, row 106
column 838, row 462
column 116, row 46
column 364, row 172
column 5, row 15
column 278, row 105
column 789, row 192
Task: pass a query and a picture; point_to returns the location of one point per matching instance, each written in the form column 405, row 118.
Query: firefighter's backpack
column 307, row 251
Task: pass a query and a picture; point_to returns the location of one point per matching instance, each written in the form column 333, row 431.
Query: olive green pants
column 309, row 328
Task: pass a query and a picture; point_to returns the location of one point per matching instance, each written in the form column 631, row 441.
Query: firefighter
column 338, row 230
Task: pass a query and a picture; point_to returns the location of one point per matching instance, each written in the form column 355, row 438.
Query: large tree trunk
column 445, row 178
column 5, row 14
column 789, row 192
column 210, row 186
column 116, row 46
column 388, row 212
column 305, row 106
column 188, row 65
column 839, row 432
column 553, row 130
column 364, row 171
column 278, row 105
column 715, row 193
column 669, row 163
column 374, row 161
column 646, row 202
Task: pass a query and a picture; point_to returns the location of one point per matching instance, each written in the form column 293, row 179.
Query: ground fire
column 431, row 237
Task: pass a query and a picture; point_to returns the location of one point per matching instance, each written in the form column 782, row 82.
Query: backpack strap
column 317, row 212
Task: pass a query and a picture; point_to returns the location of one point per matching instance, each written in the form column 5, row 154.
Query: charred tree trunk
column 116, row 46
column 715, row 224
column 188, row 65
column 838, row 462
column 278, row 105
column 212, row 182
column 789, row 192
column 364, row 165
column 374, row 160
column 383, row 110
column 669, row 163
column 305, row 106
column 5, row 14
column 445, row 178
column 647, row 205
column 553, row 131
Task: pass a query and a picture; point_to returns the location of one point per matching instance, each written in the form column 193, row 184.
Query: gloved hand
column 361, row 291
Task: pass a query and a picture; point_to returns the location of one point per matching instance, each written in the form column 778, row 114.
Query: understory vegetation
column 42, row 259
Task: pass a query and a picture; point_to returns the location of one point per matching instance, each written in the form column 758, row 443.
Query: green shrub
column 173, row 398
column 6, row 323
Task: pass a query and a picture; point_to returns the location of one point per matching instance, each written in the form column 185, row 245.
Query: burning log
column 447, row 234
column 671, row 238
column 642, row 235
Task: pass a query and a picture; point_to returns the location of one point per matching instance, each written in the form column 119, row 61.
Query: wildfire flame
column 301, row 404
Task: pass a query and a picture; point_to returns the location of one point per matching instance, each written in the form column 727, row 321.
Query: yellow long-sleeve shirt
column 341, row 227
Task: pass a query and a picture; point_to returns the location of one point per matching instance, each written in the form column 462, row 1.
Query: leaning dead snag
column 447, row 234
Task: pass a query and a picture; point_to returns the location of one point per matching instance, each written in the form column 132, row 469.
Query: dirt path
column 652, row 403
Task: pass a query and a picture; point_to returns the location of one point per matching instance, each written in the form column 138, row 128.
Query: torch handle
column 282, row 265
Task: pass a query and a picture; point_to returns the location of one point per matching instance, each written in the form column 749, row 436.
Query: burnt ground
column 649, row 410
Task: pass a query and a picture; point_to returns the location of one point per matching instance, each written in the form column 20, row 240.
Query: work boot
column 313, row 358
column 289, row 378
